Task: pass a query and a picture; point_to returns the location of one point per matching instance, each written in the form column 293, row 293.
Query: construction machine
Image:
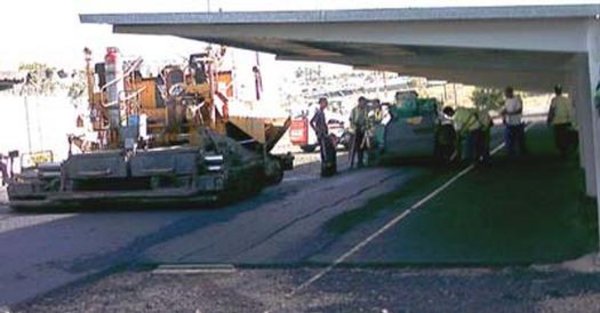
column 166, row 139
column 414, row 128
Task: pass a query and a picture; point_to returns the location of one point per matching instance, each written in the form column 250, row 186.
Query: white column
column 594, row 72
column 574, row 87
column 584, row 113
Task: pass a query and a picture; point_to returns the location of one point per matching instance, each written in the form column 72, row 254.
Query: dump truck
column 165, row 139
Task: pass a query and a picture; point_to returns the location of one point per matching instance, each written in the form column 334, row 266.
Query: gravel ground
column 343, row 290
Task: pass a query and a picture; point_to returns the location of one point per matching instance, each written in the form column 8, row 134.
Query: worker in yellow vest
column 470, row 133
column 358, row 124
column 560, row 117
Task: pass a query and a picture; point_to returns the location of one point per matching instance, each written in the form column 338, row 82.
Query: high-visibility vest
column 563, row 110
column 485, row 120
column 466, row 120
column 358, row 118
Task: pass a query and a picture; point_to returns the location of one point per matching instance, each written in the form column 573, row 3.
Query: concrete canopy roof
column 531, row 47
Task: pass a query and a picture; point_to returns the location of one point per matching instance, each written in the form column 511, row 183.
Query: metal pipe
column 27, row 122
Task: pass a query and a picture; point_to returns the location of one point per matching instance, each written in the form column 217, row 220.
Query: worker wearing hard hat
column 560, row 117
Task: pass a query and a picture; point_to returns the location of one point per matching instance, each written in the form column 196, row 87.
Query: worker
column 375, row 134
column 560, row 117
column 483, row 146
column 376, row 114
column 328, row 153
column 3, row 170
column 386, row 113
column 470, row 133
column 512, row 113
column 358, row 125
column 446, row 140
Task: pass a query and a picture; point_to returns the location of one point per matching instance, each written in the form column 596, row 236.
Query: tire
column 444, row 146
column 309, row 148
column 444, row 154
column 273, row 172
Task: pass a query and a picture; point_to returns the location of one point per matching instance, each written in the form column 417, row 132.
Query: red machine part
column 299, row 131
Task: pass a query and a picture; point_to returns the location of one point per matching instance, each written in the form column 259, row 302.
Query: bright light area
column 50, row 32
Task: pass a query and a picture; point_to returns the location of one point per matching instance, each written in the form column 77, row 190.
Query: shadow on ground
column 532, row 209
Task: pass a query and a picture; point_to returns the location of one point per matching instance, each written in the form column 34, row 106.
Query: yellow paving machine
column 165, row 139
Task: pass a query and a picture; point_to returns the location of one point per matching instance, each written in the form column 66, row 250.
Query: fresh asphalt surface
column 283, row 226
column 274, row 240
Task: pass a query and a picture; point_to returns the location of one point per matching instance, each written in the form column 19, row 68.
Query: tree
column 40, row 79
column 77, row 86
column 487, row 98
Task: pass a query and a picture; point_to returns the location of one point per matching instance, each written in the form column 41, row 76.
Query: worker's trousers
column 359, row 137
column 480, row 146
column 328, row 156
column 562, row 138
column 514, row 139
column 477, row 146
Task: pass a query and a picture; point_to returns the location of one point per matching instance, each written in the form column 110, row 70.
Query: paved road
column 282, row 225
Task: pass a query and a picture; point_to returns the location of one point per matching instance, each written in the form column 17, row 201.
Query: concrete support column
column 574, row 87
column 584, row 113
column 594, row 77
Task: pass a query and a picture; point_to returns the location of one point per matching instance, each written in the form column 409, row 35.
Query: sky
column 50, row 32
